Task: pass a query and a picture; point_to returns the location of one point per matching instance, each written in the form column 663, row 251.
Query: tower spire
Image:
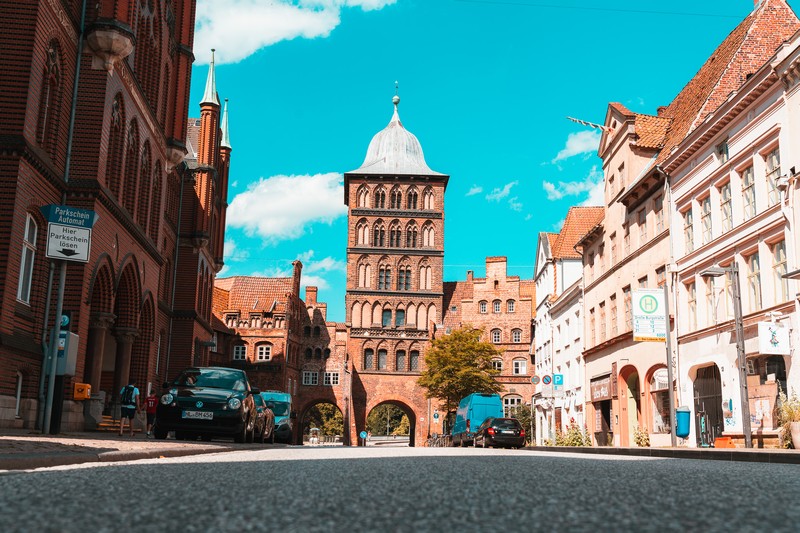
column 226, row 140
column 210, row 96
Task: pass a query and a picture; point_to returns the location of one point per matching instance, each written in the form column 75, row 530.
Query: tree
column 384, row 419
column 524, row 414
column 459, row 364
column 327, row 418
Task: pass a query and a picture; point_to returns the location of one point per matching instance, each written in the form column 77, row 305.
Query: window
column 773, row 173
column 779, row 269
column 326, row 353
column 691, row 297
column 726, row 207
column 510, row 306
column 239, row 352
column 613, row 249
column 310, row 378
column 613, row 309
column 722, row 151
column 520, row 367
column 602, row 313
column 711, row 308
column 369, row 359
column 482, row 307
column 318, row 353
column 626, row 293
column 381, row 359
column 496, row 336
column 705, row 218
column 510, row 406
column 309, row 353
column 516, row 335
column 331, row 378
column 659, row 393
column 411, row 236
column 263, row 352
column 307, row 331
column 659, row 209
column 395, row 236
column 643, row 282
column 386, row 318
column 623, row 176
column 626, row 239
column 396, row 200
column 496, row 306
column 661, row 277
column 26, row 265
column 642, row 227
column 380, row 198
column 385, row 278
column 754, row 282
column 379, row 235
column 749, row 193
column 414, row 361
column 400, row 317
column 316, row 331
column 412, row 199
column 400, row 361
column 688, row 230
column 497, row 364
column 592, row 327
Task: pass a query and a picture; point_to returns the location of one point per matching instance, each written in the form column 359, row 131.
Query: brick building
column 94, row 117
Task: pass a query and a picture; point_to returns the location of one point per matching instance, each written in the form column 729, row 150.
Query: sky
column 485, row 85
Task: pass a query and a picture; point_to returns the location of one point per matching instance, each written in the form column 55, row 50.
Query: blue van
column 281, row 405
column 472, row 411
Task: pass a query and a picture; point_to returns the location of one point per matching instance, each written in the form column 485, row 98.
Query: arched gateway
column 394, row 281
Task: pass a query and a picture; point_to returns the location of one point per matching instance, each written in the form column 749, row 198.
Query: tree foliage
column 459, row 364
column 326, row 417
column 385, row 419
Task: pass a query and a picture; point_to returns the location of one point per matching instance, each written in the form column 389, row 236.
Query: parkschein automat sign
column 649, row 317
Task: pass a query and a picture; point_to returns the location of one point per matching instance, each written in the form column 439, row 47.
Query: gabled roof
column 580, row 219
column 247, row 294
column 742, row 53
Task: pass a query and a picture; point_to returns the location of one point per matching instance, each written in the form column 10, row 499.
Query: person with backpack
column 129, row 404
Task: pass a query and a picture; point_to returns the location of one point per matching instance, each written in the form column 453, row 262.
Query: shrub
column 641, row 437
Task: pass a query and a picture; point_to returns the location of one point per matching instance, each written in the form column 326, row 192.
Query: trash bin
column 683, row 416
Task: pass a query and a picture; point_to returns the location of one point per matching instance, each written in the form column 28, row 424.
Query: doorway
column 709, row 423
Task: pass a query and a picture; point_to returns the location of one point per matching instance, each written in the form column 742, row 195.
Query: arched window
column 379, row 234
column 155, row 209
column 380, row 199
column 400, row 317
column 425, row 279
column 386, row 318
column 412, row 199
column 510, row 306
column 414, row 361
column 385, row 278
column 497, row 364
column 396, row 200
column 362, row 233
column 411, row 235
column 516, row 335
column 131, row 168
column 318, row 353
column 26, row 264
column 116, row 146
column 363, row 197
column 369, row 359
column 483, row 307
column 496, row 336
column 49, row 103
column 427, row 199
column 428, row 238
column 143, row 211
column 404, row 278
column 400, row 361
column 496, row 306
column 316, row 331
column 309, row 353
column 511, row 403
column 395, row 235
column 381, row 359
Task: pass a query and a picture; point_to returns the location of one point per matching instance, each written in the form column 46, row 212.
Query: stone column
column 95, row 349
column 122, row 366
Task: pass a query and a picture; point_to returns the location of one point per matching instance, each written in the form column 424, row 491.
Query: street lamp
column 715, row 272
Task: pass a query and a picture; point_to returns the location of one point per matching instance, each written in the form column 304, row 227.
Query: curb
column 17, row 462
column 741, row 455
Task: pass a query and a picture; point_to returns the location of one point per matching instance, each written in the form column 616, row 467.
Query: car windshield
column 212, row 377
column 506, row 423
column 278, row 408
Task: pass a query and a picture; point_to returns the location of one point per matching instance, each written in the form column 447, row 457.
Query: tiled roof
column 742, row 52
column 552, row 239
column 579, row 221
column 248, row 293
column 651, row 131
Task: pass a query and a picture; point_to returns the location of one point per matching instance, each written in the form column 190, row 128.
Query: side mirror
column 255, row 390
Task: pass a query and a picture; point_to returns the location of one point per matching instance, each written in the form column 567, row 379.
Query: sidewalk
column 28, row 449
column 753, row 455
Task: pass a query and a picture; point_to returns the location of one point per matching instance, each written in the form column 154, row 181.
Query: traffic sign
column 547, row 379
column 649, row 317
column 558, row 385
column 535, row 379
column 363, row 434
column 69, row 243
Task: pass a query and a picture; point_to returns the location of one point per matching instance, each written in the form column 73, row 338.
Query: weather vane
column 396, row 88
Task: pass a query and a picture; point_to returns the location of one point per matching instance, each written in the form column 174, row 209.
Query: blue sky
column 485, row 85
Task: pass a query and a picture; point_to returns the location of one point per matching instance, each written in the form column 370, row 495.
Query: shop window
column 659, row 393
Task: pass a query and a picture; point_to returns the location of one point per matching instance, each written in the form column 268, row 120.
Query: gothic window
column 26, row 265
column 47, row 127
column 381, row 359
column 395, row 235
column 155, row 209
column 379, row 235
column 316, row 331
column 362, row 233
column 318, row 353
column 428, row 240
column 404, row 278
column 115, row 145
column 143, row 212
column 326, row 353
column 380, row 199
column 369, row 359
column 385, row 278
column 363, row 197
column 427, row 199
column 411, row 236
column 309, row 353
column 400, row 317
column 131, row 167
column 414, row 361
column 386, row 318
column 396, row 199
column 425, row 277
column 400, row 361
column 412, row 199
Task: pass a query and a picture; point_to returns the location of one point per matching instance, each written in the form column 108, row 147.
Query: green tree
column 327, row 418
column 525, row 416
column 403, row 428
column 384, row 416
column 459, row 364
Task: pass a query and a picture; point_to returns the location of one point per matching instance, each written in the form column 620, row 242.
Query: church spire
column 210, row 96
column 226, row 140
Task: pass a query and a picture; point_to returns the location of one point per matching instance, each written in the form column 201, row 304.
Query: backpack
column 126, row 398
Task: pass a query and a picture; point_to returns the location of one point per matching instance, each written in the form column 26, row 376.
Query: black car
column 506, row 432
column 265, row 423
column 207, row 402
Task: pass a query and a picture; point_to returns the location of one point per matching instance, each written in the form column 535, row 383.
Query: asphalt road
column 303, row 489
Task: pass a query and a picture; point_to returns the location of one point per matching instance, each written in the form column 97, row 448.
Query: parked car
column 471, row 413
column 281, row 405
column 265, row 423
column 505, row 432
column 207, row 402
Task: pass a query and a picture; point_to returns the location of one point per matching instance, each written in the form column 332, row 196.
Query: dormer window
column 722, row 151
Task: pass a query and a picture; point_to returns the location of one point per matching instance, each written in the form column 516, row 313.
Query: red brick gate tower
column 394, row 274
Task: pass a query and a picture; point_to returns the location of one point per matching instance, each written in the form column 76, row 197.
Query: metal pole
column 51, row 381
column 741, row 359
column 45, row 347
column 672, row 421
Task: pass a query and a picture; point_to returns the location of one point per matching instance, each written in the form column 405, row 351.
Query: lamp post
column 714, row 272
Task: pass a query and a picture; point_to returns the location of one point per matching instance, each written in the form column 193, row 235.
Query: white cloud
column 582, row 142
column 475, row 189
column 239, row 28
column 314, row 273
column 515, row 204
column 284, row 207
column 498, row 194
column 234, row 253
column 593, row 184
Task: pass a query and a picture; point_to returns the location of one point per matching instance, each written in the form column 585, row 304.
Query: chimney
column 469, row 275
column 311, row 295
column 660, row 110
column 298, row 268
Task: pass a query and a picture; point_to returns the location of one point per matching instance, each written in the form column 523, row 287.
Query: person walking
column 150, row 405
column 129, row 404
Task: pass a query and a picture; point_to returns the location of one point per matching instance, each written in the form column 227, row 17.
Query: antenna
column 396, row 88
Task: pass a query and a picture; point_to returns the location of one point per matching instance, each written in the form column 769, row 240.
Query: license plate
column 199, row 415
column 507, row 431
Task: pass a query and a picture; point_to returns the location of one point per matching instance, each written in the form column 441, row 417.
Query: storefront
column 600, row 390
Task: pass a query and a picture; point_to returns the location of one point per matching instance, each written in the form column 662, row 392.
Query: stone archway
column 386, row 434
column 629, row 404
column 127, row 308
column 325, row 416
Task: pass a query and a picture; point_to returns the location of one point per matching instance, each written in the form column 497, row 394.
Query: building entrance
column 709, row 423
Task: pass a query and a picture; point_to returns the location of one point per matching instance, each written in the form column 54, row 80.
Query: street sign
column 649, row 317
column 547, row 386
column 547, row 379
column 535, row 379
column 69, row 232
column 558, row 385
column 363, row 434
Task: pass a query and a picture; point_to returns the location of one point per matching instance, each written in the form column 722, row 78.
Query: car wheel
column 251, row 435
column 241, row 435
column 159, row 433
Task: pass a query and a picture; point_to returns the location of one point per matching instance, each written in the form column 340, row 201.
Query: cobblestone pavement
column 27, row 449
